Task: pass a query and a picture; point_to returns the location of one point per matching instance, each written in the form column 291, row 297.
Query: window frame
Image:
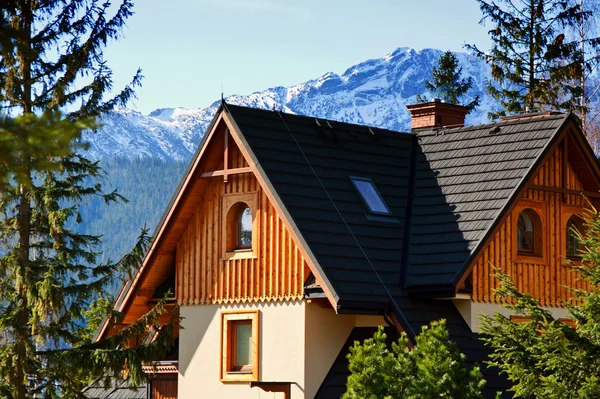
column 353, row 179
column 229, row 226
column 228, row 370
column 540, row 239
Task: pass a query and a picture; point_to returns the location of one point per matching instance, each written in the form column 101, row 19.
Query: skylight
column 370, row 195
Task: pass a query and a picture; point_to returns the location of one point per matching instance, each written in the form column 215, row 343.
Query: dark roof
column 445, row 189
column 465, row 177
column 117, row 390
column 334, row 383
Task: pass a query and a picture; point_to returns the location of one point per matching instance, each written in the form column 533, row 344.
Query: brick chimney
column 437, row 114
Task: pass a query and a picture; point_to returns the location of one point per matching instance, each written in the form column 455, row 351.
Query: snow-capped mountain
column 374, row 92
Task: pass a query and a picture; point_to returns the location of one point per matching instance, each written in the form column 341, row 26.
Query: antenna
column 222, row 96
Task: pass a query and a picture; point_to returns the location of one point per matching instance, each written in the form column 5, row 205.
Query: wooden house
column 289, row 237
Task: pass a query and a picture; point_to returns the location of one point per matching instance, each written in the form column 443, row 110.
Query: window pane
column 371, row 196
column 243, row 344
column 525, row 232
column 245, row 228
column 572, row 241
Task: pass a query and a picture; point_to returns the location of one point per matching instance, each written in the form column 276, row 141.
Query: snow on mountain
column 374, row 92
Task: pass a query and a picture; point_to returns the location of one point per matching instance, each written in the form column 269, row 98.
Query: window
column 241, row 345
column 244, row 228
column 529, row 241
column 239, row 225
column 572, row 240
column 239, row 341
column 370, row 195
column 525, row 233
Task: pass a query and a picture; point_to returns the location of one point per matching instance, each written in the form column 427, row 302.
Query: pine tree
column 53, row 84
column 433, row 369
column 535, row 66
column 447, row 82
column 545, row 357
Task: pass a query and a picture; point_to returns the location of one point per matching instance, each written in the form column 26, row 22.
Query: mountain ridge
column 373, row 92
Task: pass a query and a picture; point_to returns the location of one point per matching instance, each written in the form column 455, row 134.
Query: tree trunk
column 582, row 102
column 531, row 79
column 22, row 334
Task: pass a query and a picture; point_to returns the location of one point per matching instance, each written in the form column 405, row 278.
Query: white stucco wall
column 472, row 311
column 326, row 334
column 298, row 343
column 281, row 348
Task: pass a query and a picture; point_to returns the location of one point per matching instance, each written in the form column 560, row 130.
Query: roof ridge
column 511, row 122
column 308, row 117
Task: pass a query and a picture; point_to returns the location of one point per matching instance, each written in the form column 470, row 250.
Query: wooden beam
column 559, row 190
column 565, row 166
column 226, row 172
column 226, row 156
column 145, row 292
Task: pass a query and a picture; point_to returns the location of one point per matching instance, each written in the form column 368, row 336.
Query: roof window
column 370, row 195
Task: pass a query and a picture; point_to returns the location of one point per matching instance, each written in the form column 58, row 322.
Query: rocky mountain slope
column 373, row 92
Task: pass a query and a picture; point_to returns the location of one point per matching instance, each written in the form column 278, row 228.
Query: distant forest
column 148, row 184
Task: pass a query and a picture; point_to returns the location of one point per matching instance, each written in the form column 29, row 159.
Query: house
column 289, row 237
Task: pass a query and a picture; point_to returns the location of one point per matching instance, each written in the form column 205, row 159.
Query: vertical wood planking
column 202, row 277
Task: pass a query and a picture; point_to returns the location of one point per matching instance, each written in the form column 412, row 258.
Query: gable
column 187, row 239
column 206, row 274
column 555, row 194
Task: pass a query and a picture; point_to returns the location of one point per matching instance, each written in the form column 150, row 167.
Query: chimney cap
column 437, row 103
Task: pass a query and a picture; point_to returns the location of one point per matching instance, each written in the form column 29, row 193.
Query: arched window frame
column 232, row 207
column 538, row 213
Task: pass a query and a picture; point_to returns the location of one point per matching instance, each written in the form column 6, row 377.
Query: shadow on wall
column 196, row 322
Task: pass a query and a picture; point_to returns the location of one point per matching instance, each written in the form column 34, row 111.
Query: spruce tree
column 447, row 82
column 432, row 369
column 544, row 356
column 54, row 82
column 535, row 65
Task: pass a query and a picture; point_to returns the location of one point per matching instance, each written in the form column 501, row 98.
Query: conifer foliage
column 53, row 83
column 433, row 369
column 447, row 82
column 535, row 65
column 543, row 356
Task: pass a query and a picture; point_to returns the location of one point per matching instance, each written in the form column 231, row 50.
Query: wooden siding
column 163, row 388
column 276, row 270
column 545, row 276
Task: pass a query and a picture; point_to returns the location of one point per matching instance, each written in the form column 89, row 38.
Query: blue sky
column 190, row 49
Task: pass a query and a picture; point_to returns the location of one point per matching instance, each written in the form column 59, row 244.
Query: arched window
column 239, row 227
column 529, row 233
column 244, row 228
column 239, row 221
column 572, row 240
